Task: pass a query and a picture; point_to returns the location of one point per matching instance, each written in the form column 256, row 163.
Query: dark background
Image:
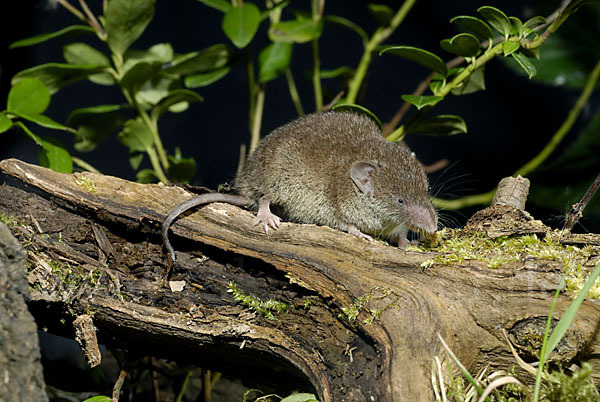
column 508, row 123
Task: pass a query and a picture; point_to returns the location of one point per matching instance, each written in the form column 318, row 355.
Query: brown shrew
column 331, row 169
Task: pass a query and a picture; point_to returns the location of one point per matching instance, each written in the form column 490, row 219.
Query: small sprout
column 265, row 308
column 87, row 184
column 376, row 294
column 8, row 221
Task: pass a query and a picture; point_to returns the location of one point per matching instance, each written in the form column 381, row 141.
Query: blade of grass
column 562, row 326
column 460, row 366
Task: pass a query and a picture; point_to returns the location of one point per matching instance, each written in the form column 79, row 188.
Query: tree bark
column 95, row 248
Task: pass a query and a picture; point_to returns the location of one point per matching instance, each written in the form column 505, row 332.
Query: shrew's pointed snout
column 423, row 218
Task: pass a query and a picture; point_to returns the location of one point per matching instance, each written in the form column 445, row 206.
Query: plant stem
column 159, row 153
column 251, row 87
column 485, row 198
column 317, row 7
column 257, row 119
column 381, row 34
column 293, row 91
column 464, row 74
column 156, row 165
column 468, row 201
column 84, row 165
column 91, row 18
column 73, row 10
column 316, row 76
column 151, row 124
column 566, row 126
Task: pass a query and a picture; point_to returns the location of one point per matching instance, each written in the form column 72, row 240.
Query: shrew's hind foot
column 265, row 217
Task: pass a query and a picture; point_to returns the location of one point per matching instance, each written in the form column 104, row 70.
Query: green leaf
column 135, row 159
column 298, row 31
column 510, row 47
column 463, row 44
column 421, row 101
column 340, row 71
column 205, row 79
column 43, row 121
column 137, row 75
column 516, row 26
column 34, row 40
column 206, row 60
column 348, row 24
column 29, row 96
column 126, row 20
column 136, row 136
column 534, row 22
column 240, row 24
column 351, row 107
column 157, row 55
column 273, row 60
column 99, row 398
column 382, row 13
column 421, row 56
column 154, row 90
column 496, row 18
column 474, row 82
column 569, row 54
column 181, row 170
column 58, row 75
column 474, row 25
column 438, row 125
column 525, row 64
column 82, row 53
column 54, row 156
column 5, row 122
column 94, row 124
column 174, row 97
column 300, row 397
column 221, row 5
column 565, row 321
column 146, row 176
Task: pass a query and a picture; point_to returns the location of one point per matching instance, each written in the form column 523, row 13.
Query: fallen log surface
column 356, row 320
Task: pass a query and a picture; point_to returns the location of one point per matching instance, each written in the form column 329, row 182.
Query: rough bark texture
column 20, row 367
column 95, row 244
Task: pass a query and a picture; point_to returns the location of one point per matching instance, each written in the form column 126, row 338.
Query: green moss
column 456, row 246
column 578, row 386
column 376, row 294
column 87, row 184
column 265, row 308
column 8, row 221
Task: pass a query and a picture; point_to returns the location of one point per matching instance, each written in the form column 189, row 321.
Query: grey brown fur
column 333, row 169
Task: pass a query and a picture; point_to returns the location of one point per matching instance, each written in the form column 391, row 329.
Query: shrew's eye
column 400, row 201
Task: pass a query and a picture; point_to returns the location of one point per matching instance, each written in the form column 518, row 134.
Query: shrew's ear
column 363, row 173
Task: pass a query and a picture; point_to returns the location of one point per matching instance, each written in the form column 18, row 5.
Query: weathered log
column 109, row 227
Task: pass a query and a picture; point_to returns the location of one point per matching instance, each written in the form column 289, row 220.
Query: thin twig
column 333, row 102
column 73, row 10
column 577, row 211
column 118, row 385
column 91, row 17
